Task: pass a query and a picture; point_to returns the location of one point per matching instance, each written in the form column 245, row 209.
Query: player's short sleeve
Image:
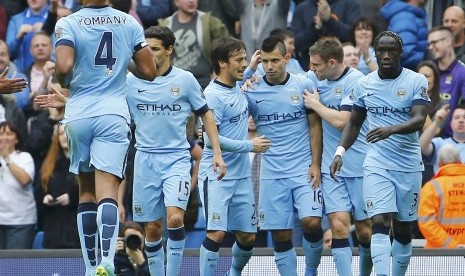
column 420, row 91
column 216, row 105
column 357, row 95
column 348, row 97
column 64, row 34
column 311, row 76
column 307, row 83
column 138, row 34
column 195, row 95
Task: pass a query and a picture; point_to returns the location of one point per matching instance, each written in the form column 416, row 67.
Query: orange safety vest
column 441, row 211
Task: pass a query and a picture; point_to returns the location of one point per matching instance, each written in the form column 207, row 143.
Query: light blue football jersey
column 389, row 102
column 104, row 41
column 231, row 112
column 161, row 108
column 338, row 95
column 279, row 114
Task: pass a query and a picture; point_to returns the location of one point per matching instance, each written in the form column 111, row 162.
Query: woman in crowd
column 58, row 195
column 362, row 34
column 18, row 214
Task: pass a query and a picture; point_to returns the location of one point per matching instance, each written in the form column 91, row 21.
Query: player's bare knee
column 153, row 230
column 282, row 235
column 381, row 220
column 216, row 236
column 247, row 239
column 175, row 220
column 311, row 224
column 363, row 229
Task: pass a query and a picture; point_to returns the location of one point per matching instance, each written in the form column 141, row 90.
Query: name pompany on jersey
column 102, row 20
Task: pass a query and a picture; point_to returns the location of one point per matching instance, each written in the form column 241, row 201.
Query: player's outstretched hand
column 55, row 99
column 219, row 167
column 8, row 86
column 335, row 167
column 378, row 134
column 260, row 144
column 314, row 176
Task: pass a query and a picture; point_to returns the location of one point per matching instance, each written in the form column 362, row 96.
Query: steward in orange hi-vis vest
column 441, row 213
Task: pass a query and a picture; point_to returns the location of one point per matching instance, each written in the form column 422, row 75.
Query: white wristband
column 340, row 151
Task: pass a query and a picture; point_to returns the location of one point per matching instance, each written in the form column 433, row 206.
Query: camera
column 133, row 242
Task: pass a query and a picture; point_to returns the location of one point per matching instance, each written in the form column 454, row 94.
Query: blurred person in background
column 362, row 33
column 130, row 259
column 58, row 195
column 440, row 211
column 351, row 58
column 18, row 215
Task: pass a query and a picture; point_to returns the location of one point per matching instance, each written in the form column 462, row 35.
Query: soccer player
column 160, row 110
column 394, row 101
column 333, row 103
column 93, row 50
column 290, row 172
column 229, row 203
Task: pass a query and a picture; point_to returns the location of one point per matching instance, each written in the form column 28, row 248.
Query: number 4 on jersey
column 104, row 56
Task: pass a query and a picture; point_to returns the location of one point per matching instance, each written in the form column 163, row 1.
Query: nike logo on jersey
column 141, row 90
column 256, row 101
column 370, row 94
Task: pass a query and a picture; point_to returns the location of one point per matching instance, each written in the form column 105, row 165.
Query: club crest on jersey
column 216, row 217
column 369, row 204
column 175, row 91
column 352, row 95
column 338, row 91
column 58, row 32
column 295, row 98
column 424, row 93
column 261, row 217
column 137, row 209
column 401, row 94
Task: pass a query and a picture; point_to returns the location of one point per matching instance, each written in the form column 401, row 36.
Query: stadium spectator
column 435, row 10
column 224, row 10
column 22, row 97
column 430, row 145
column 150, row 11
column 454, row 18
column 10, row 112
column 58, row 195
column 314, row 19
column 451, row 70
column 130, row 259
column 351, row 56
column 13, row 7
column 430, row 70
column 21, row 28
column 40, row 72
column 258, row 18
column 440, row 211
column 408, row 19
column 362, row 33
column 18, row 214
column 194, row 31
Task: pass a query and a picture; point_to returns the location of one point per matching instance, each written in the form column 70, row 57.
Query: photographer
column 130, row 259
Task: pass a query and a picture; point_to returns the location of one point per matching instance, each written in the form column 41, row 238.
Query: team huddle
column 332, row 141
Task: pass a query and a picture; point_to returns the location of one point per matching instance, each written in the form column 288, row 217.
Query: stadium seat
column 200, row 224
column 195, row 238
column 39, row 238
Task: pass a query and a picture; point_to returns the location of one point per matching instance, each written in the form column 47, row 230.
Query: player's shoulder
column 354, row 74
